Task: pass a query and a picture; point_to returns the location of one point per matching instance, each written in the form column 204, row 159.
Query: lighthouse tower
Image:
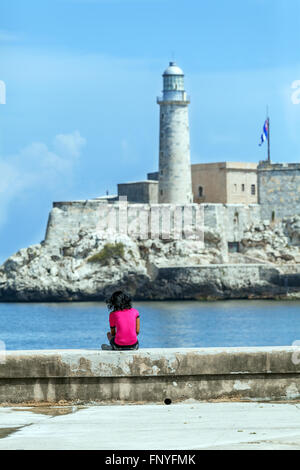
column 175, row 181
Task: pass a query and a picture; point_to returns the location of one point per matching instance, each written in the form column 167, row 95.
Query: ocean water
column 163, row 324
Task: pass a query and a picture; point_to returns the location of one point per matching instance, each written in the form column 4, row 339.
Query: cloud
column 69, row 144
column 38, row 168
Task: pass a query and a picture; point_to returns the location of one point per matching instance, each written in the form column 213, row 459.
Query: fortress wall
column 151, row 375
column 68, row 218
column 231, row 220
column 279, row 190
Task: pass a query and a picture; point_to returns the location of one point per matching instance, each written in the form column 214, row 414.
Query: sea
column 176, row 324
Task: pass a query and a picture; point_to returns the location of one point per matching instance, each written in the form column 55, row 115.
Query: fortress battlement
column 266, row 166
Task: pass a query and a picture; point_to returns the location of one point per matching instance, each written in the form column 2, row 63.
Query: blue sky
column 82, row 78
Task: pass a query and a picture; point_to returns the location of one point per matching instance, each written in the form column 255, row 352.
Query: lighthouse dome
column 173, row 69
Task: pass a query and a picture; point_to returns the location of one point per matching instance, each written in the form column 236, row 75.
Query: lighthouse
column 175, row 181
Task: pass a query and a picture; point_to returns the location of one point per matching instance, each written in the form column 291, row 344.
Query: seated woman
column 124, row 323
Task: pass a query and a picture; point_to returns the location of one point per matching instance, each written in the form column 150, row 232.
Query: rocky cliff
column 88, row 267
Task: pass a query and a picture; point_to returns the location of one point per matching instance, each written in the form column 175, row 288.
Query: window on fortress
column 200, row 191
column 253, row 189
column 243, row 187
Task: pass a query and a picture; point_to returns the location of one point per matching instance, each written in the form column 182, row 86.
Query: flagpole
column 269, row 150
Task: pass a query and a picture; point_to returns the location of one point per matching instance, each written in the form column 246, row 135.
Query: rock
column 275, row 244
column 83, row 268
column 292, row 228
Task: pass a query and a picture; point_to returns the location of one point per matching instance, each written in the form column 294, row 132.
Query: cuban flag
column 265, row 134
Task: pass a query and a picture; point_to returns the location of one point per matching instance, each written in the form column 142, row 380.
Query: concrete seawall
column 151, row 375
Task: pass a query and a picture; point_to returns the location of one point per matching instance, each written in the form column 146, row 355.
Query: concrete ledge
column 151, row 375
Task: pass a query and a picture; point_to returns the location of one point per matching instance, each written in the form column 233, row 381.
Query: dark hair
column 119, row 301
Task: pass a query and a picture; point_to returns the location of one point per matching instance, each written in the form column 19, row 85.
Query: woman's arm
column 111, row 333
column 137, row 325
column 113, row 330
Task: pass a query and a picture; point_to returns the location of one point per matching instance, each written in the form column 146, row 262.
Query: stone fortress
column 233, row 195
column 276, row 188
column 249, row 221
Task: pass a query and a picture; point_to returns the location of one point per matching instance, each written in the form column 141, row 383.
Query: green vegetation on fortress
column 109, row 251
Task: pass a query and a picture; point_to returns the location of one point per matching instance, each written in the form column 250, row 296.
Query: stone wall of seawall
column 150, row 375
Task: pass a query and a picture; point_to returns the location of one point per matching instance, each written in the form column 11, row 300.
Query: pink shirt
column 125, row 323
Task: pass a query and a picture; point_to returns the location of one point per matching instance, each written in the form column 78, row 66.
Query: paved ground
column 177, row 426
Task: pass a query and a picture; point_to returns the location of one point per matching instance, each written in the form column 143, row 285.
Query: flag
column 265, row 134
